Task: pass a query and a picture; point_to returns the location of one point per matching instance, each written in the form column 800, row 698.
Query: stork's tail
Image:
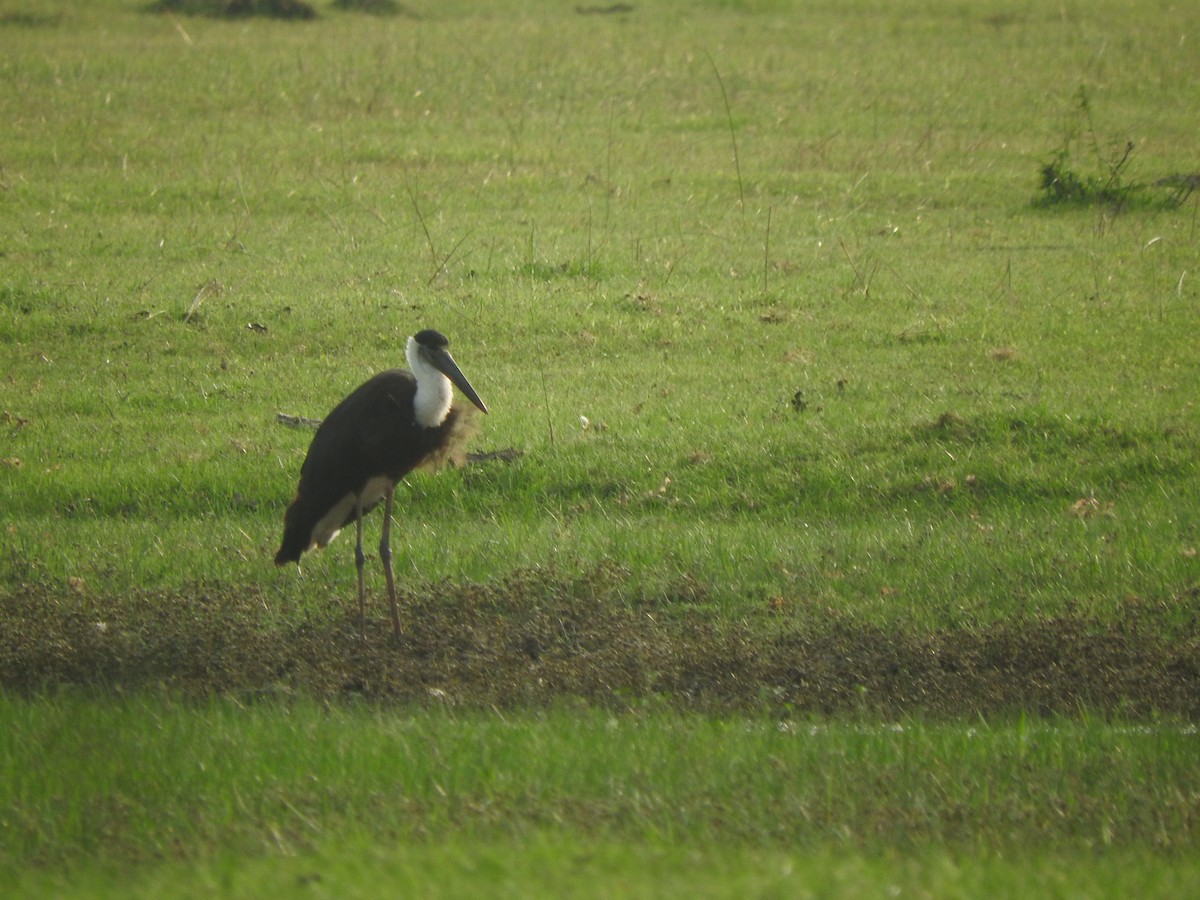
column 295, row 535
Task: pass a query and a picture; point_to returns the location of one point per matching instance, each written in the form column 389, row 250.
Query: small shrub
column 1062, row 181
column 370, row 7
column 1062, row 184
column 274, row 9
column 1106, row 181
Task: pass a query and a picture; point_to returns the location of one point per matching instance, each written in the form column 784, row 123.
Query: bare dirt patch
column 537, row 639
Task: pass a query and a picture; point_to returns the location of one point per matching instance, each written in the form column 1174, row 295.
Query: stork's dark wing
column 369, row 434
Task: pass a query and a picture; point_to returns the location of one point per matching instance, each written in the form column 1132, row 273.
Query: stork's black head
column 431, row 338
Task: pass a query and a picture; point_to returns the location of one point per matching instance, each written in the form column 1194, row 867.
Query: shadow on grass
column 537, row 639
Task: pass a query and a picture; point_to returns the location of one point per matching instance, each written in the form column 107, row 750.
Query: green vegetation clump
column 1062, row 184
column 372, row 7
column 273, row 9
column 1109, row 183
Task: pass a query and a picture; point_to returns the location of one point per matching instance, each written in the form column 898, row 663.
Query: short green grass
column 333, row 789
column 790, row 265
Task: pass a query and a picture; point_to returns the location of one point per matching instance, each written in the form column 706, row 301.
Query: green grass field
column 846, row 538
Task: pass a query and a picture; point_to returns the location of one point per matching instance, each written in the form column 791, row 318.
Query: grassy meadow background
column 791, row 350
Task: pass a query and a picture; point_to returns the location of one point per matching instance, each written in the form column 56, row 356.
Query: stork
column 387, row 427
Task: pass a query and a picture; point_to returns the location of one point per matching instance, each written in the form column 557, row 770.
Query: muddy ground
column 537, row 640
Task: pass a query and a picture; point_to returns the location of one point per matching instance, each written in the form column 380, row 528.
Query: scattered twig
column 296, row 421
column 860, row 277
column 1183, row 186
column 412, row 196
column 439, row 265
column 211, row 287
column 767, row 250
column 506, row 455
column 737, row 165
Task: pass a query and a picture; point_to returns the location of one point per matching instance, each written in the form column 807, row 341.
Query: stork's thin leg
column 385, row 554
column 359, row 559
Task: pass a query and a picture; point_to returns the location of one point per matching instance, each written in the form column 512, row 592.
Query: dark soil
column 537, row 640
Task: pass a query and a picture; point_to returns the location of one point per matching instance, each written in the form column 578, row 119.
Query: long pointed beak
column 444, row 363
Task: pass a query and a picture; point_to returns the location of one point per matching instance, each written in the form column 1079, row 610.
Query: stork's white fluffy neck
column 432, row 402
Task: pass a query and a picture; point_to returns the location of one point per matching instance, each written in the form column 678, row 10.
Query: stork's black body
column 387, row 427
